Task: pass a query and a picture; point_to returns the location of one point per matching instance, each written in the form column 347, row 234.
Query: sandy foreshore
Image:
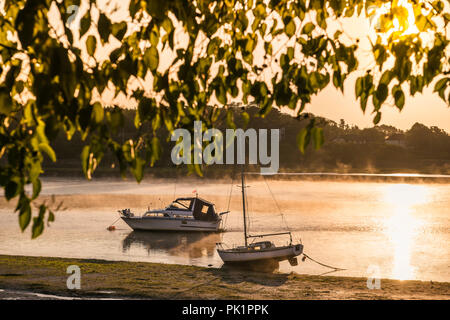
column 24, row 277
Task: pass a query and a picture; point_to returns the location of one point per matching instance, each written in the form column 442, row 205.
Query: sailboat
column 261, row 251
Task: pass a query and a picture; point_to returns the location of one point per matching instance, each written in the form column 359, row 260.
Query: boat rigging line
column 229, row 198
column 276, row 203
column 287, row 227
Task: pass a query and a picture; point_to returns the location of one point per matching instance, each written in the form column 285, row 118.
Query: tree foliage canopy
column 175, row 58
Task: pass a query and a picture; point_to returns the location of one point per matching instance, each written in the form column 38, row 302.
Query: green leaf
column 145, row 108
column 119, row 30
column 40, row 131
column 303, row 138
column 151, row 58
column 308, row 28
column 382, row 92
column 156, row 150
column 36, row 188
column 24, row 216
column 91, row 45
column 246, row 118
column 386, row 77
column 138, row 169
column 337, row 34
column 441, row 84
column 290, row 28
column 221, row 94
column 19, row 86
column 11, row 190
column 364, row 99
column 167, row 25
column 85, row 23
column 43, row 147
column 359, row 87
column 318, row 137
column 25, row 23
column 38, row 227
column 85, row 153
column 5, row 101
column 290, row 53
column 104, row 27
column 51, row 215
column 97, row 113
column 377, row 118
column 399, row 97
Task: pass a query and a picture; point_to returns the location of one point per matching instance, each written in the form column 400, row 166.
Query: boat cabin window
column 180, row 205
column 156, row 214
column 205, row 209
column 261, row 245
column 181, row 216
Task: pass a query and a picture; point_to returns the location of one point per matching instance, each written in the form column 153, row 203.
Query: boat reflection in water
column 181, row 244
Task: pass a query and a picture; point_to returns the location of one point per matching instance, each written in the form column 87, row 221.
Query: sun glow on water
column 402, row 227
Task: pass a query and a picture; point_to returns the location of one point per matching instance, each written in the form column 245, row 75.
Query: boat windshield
column 179, row 205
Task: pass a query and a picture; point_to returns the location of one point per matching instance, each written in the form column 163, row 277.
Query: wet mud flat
column 23, row 277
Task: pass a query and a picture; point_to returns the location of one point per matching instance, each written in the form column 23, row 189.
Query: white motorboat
column 258, row 252
column 183, row 214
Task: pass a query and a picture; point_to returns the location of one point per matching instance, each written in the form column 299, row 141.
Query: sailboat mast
column 243, row 206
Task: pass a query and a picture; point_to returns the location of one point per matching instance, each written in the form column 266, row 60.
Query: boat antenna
column 243, row 204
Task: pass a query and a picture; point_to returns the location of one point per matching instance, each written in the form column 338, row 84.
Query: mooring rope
column 114, row 222
column 322, row 264
column 112, row 227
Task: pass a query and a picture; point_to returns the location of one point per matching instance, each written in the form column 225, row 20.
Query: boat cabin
column 200, row 208
column 261, row 245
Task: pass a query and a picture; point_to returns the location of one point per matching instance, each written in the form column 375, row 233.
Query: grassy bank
column 162, row 281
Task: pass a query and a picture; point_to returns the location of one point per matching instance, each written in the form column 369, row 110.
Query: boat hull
column 171, row 224
column 279, row 254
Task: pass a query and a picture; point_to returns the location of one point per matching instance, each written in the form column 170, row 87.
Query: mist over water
column 402, row 228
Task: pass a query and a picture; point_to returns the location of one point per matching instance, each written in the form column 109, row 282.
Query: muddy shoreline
column 23, row 277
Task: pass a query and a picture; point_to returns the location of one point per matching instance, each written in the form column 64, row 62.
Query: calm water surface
column 401, row 229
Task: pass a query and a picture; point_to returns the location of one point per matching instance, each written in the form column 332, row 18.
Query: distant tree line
column 347, row 148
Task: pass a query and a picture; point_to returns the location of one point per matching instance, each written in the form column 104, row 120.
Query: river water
column 372, row 229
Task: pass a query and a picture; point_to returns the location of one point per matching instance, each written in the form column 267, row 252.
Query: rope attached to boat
column 322, row 264
column 112, row 227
